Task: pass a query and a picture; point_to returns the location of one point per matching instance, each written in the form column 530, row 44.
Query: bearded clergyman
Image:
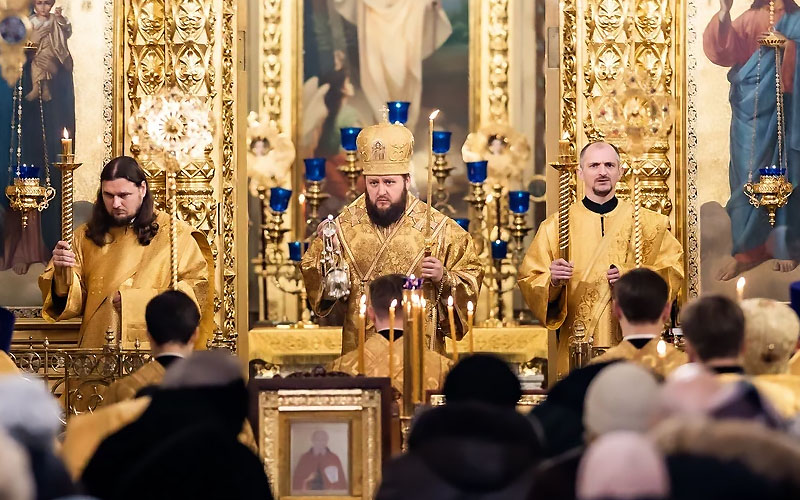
column 574, row 297
column 383, row 232
column 120, row 260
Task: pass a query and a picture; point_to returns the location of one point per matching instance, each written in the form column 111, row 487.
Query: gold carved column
column 189, row 44
column 617, row 34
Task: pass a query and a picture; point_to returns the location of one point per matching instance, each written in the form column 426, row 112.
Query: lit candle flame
column 301, row 198
column 66, row 134
column 661, row 348
column 362, row 309
column 434, row 114
column 470, row 306
column 450, row 301
column 740, row 288
column 394, row 303
column 363, row 300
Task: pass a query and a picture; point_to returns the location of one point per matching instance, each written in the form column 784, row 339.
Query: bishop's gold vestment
column 376, row 363
column 371, row 251
column 647, row 356
column 138, row 272
column 596, row 243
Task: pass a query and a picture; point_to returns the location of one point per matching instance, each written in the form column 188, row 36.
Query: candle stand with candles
column 500, row 279
column 351, row 168
column 441, row 170
column 315, row 175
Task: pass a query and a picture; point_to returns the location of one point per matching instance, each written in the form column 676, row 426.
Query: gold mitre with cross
column 385, row 148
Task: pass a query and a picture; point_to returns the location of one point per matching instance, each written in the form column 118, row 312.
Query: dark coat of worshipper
column 16, row 481
column 384, row 232
column 641, row 305
column 120, row 259
column 173, row 322
column 713, row 326
column 382, row 291
column 770, row 337
column 575, row 297
column 620, row 398
column 191, row 425
column 475, row 446
column 32, row 417
column 7, row 320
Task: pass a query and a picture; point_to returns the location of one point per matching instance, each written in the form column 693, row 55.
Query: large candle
column 452, row 327
column 470, row 311
column 362, row 329
column 391, row 338
column 429, row 201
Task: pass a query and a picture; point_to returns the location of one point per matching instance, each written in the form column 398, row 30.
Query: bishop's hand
column 560, row 272
column 432, row 269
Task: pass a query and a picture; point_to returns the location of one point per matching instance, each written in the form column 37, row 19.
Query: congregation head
column 382, row 291
column 172, row 317
column 482, row 378
column 641, row 296
column 713, row 326
column 771, row 332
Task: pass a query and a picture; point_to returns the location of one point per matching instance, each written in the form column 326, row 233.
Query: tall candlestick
column 452, row 327
column 429, row 201
column 423, row 312
column 391, row 338
column 740, row 289
column 362, row 329
column 470, row 311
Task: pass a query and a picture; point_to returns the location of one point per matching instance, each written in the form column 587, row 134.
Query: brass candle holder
column 500, row 270
column 27, row 194
column 67, row 166
column 314, row 196
column 288, row 278
column 771, row 192
column 441, row 171
column 352, row 170
column 274, row 232
column 519, row 229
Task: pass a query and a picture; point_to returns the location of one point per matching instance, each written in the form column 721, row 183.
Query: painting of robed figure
column 733, row 42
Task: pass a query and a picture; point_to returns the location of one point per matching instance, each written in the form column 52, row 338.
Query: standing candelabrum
column 314, row 196
column 352, row 168
column 501, row 270
column 441, row 170
column 288, row 278
column 519, row 203
column 274, row 203
column 67, row 166
column 476, row 174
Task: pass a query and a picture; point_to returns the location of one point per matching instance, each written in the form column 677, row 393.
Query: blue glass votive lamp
column 499, row 249
column 279, row 199
column 315, row 169
column 773, row 170
column 295, row 251
column 349, row 135
column 476, row 171
column 28, row 171
column 519, row 201
column 398, row 111
column 441, row 141
column 463, row 222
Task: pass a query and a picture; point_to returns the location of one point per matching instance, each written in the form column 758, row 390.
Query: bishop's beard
column 385, row 217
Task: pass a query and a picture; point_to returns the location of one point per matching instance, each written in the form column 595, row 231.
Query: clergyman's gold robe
column 596, row 242
column 7, row 365
column 371, row 252
column 376, row 363
column 647, row 356
column 794, row 364
column 151, row 373
column 139, row 273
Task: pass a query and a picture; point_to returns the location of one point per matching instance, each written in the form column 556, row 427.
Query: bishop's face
column 122, row 199
column 600, row 172
column 386, row 198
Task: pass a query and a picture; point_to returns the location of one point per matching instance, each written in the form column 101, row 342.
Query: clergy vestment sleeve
column 547, row 303
column 55, row 308
column 462, row 277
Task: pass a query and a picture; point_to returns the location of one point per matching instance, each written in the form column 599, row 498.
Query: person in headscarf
column 622, row 466
column 475, row 446
column 7, row 319
column 191, row 425
column 31, row 415
column 16, row 482
column 620, row 398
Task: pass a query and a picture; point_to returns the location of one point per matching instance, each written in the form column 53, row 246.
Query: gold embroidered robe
column 376, row 363
column 139, row 273
column 794, row 364
column 371, row 252
column 647, row 356
column 151, row 373
column 596, row 242
column 7, row 365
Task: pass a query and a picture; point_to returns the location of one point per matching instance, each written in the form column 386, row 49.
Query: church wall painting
column 732, row 238
column 72, row 71
column 343, row 88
